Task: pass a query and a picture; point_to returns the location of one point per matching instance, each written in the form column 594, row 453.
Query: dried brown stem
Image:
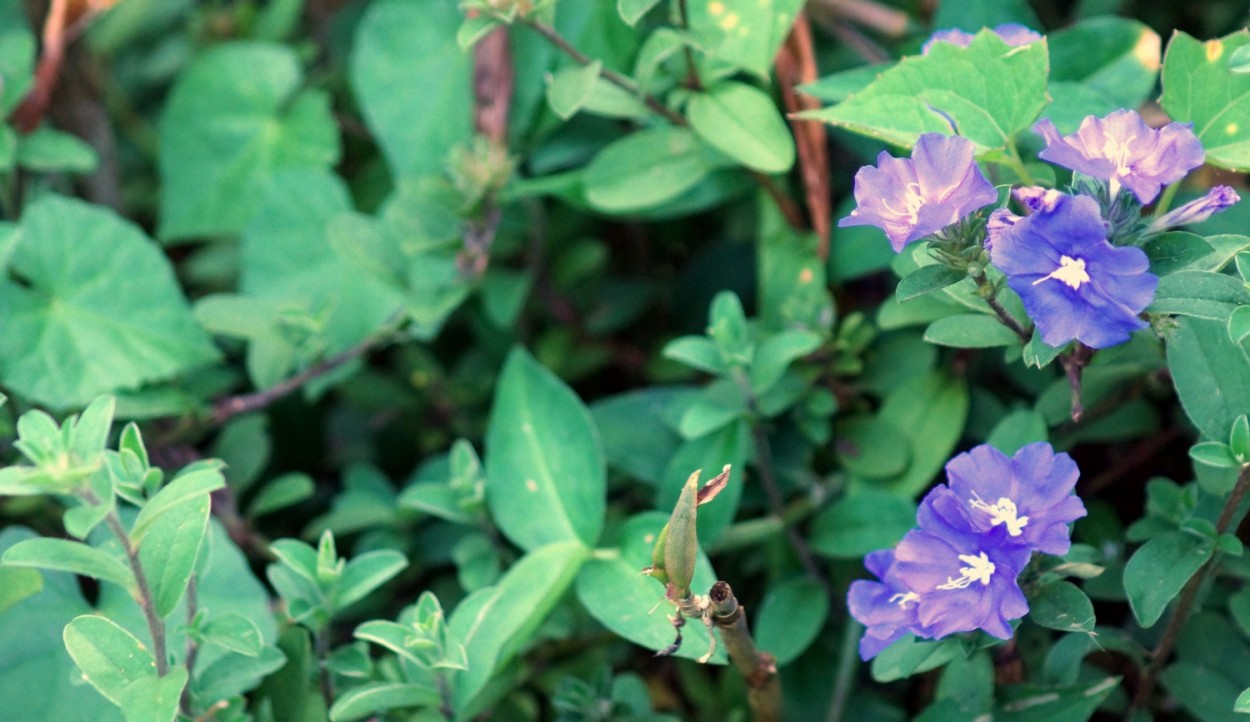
column 759, row 669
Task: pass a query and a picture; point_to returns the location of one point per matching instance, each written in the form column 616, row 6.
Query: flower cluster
column 957, row 571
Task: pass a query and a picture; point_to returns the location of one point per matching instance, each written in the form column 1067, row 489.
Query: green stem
column 692, row 69
column 1165, row 200
column 1017, row 164
column 1230, row 518
column 759, row 669
column 147, row 604
column 847, row 665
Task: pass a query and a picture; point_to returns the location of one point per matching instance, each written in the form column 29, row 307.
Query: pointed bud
column 679, row 543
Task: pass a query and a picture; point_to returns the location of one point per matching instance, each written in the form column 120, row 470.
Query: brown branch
column 796, row 64
column 231, row 406
column 759, row 669
column 1074, row 364
column 1187, row 598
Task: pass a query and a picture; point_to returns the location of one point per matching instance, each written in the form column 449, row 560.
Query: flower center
column 1117, row 152
column 902, row 599
column 979, row 569
column 1003, row 512
column 912, row 202
column 1071, row 271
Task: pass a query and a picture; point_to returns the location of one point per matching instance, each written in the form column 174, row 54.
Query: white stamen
column 1003, row 512
column 902, row 599
column 1071, row 271
column 912, row 202
column 979, row 569
column 1117, row 153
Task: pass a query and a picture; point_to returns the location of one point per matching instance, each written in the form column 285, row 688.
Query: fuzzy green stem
column 759, row 669
column 1230, row 518
column 147, row 604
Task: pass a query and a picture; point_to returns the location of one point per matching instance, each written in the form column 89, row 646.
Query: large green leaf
column 413, row 82
column 746, row 33
column 546, row 477
column 235, row 117
column 647, row 168
column 1159, row 569
column 989, row 91
column 1211, row 373
column 931, row 409
column 1098, row 65
column 1201, row 294
column 790, row 618
column 493, row 623
column 289, row 260
column 369, row 699
column 171, row 548
column 110, row 657
column 861, row 523
column 613, row 591
column 1198, row 86
column 1031, row 703
column 742, row 122
column 68, row 332
column 198, row 483
column 63, row 555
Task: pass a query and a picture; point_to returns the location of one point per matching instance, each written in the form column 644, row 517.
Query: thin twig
column 693, row 70
column 759, row 669
column 1187, row 598
column 156, row 625
column 1003, row 315
column 231, row 406
column 1074, row 364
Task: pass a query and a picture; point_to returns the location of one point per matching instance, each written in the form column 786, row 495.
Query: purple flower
column 1197, row 211
column 1029, row 495
column 1013, row 34
column 910, row 198
column 887, row 609
column 964, row 579
column 1074, row 284
column 1123, row 150
column 1037, row 198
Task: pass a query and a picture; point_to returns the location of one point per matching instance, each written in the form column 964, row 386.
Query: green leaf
column 742, row 122
column 68, row 335
column 473, row 29
column 17, row 56
column 1203, row 690
column 570, row 88
column 1214, row 453
column 371, row 699
column 746, row 33
column 367, row 572
column 927, row 279
column 790, row 618
column 713, row 407
column 990, row 91
column 110, row 658
column 69, row 556
column 234, row 674
column 611, row 589
column 931, row 410
column 1018, row 429
column 970, row 330
column 1243, row 702
column 187, row 486
column 154, row 699
column 775, row 354
column 1034, row 703
column 1199, row 87
column 281, row 492
column 17, row 584
column 493, row 623
column 636, row 441
column 236, row 117
column 972, row 15
column 646, row 168
column 1062, row 605
column 871, row 447
column 1159, row 569
column 1211, row 374
column 727, row 445
column 1117, row 58
column 234, row 632
column 697, row 352
column 171, row 549
column 1239, row 438
column 51, row 151
column 910, row 656
column 861, row 523
column 631, row 11
column 1201, row 294
column 1239, row 325
column 544, row 462
column 659, row 46
column 413, row 82
column 843, row 84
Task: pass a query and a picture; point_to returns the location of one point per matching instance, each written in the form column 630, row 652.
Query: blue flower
column 1124, row 151
column 1030, row 495
column 963, row 579
column 1013, row 34
column 1074, row 284
column 1197, row 211
column 887, row 609
column 910, row 198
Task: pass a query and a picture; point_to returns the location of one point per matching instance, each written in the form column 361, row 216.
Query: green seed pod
column 681, row 542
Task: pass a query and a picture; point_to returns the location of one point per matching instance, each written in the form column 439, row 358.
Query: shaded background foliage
column 320, row 241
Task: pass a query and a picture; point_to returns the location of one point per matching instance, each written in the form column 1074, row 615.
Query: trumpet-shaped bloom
column 910, row 198
column 1013, row 34
column 1074, row 284
column 963, row 579
column 1124, row 151
column 887, row 609
column 1197, row 211
column 1030, row 495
